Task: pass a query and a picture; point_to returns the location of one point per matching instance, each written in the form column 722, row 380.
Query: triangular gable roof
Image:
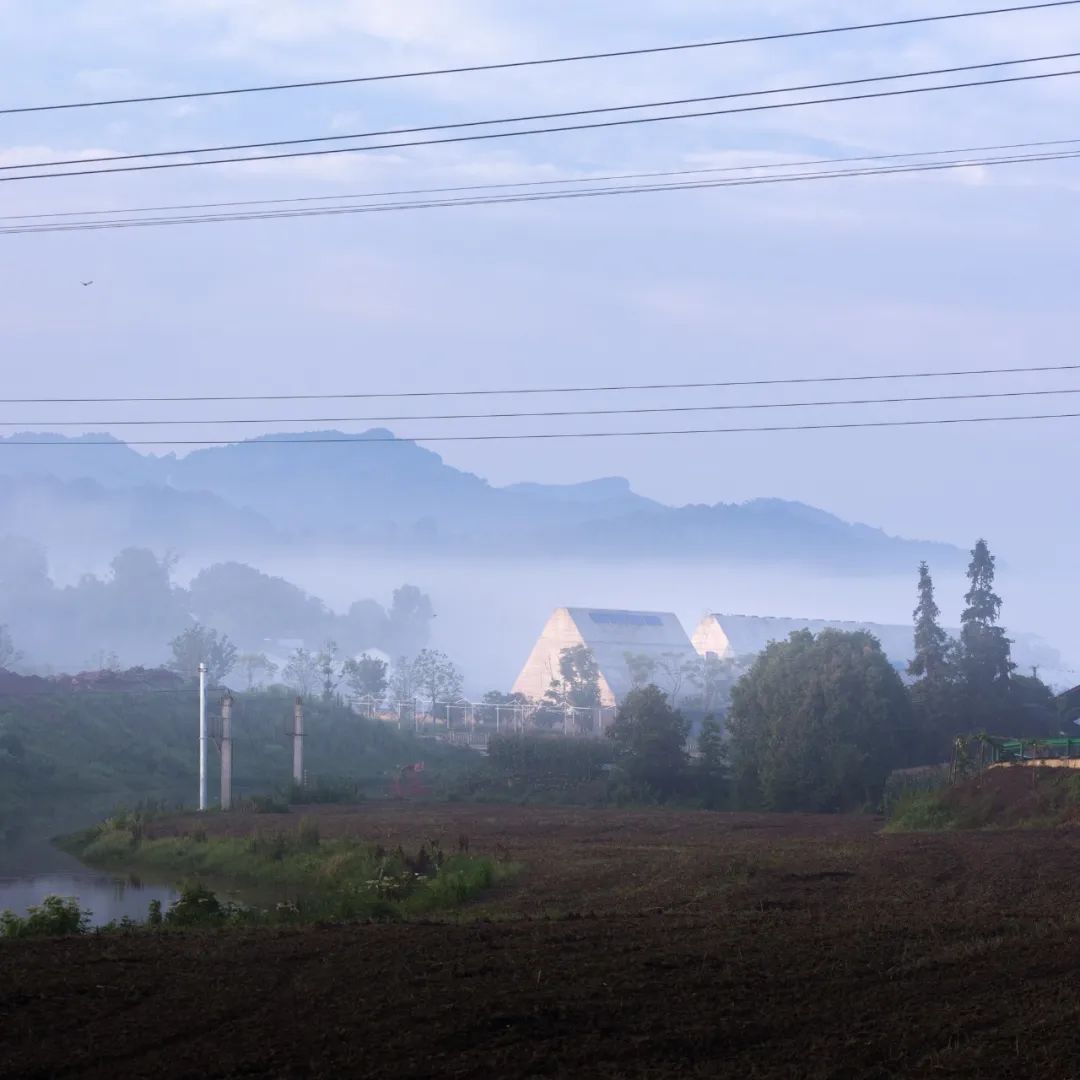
column 610, row 634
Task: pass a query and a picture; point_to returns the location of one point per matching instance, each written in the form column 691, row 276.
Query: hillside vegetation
column 136, row 742
column 1015, row 797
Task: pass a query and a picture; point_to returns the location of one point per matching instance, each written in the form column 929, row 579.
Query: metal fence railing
column 472, row 716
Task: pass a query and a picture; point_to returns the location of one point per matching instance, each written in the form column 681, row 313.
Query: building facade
column 610, row 635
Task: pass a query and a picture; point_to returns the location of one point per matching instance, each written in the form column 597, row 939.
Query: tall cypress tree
column 985, row 657
column 930, row 661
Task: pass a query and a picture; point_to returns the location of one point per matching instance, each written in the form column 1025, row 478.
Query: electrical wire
column 530, row 436
column 728, row 384
column 507, row 65
column 496, row 200
column 726, row 407
column 559, row 128
column 548, row 182
column 528, row 118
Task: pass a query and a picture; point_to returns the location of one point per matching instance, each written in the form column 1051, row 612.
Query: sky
column 928, row 272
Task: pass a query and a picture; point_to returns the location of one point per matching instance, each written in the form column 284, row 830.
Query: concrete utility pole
column 226, row 751
column 298, row 742
column 202, row 736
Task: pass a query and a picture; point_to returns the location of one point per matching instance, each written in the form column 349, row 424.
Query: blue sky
column 906, row 273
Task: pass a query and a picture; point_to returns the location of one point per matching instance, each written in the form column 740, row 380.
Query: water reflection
column 107, row 898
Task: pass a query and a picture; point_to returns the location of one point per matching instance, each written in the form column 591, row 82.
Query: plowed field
column 647, row 944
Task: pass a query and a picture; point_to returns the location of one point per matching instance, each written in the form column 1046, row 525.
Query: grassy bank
column 1019, row 797
column 307, row 878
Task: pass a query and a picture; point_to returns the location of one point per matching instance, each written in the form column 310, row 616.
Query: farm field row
column 634, row 943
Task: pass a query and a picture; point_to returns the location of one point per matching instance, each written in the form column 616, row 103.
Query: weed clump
column 53, row 917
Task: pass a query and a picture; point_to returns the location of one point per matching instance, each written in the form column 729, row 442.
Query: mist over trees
column 970, row 684
column 577, row 682
column 650, row 740
column 819, row 721
column 366, row 677
column 9, row 655
column 130, row 615
column 200, row 645
column 816, row 723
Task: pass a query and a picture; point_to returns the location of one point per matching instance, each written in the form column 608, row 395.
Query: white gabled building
column 610, row 635
column 737, row 636
column 740, row 637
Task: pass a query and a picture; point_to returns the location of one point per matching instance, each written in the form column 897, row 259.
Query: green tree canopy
column 650, row 739
column 931, row 658
column 436, row 677
column 935, row 695
column 816, row 722
column 301, row 672
column 712, row 764
column 984, row 660
column 330, row 672
column 199, row 644
column 366, row 676
column 577, row 682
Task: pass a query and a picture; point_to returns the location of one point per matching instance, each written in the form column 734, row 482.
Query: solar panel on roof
column 624, row 618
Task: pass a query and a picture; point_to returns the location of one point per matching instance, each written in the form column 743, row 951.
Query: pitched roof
column 609, row 634
column 746, row 635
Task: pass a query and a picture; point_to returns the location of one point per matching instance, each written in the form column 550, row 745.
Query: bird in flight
column 85, row 283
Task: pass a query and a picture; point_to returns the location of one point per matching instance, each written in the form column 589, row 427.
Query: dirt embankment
column 634, row 944
column 1011, row 796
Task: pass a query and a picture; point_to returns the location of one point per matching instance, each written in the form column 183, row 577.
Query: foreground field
column 633, row 944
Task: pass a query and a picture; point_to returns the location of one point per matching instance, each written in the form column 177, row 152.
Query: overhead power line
column 550, row 182
column 547, row 414
column 521, row 436
column 1034, row 369
column 528, row 197
column 575, row 58
column 528, row 118
column 554, row 129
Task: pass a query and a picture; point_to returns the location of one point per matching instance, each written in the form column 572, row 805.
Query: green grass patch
column 309, row 878
column 1009, row 798
column 920, row 811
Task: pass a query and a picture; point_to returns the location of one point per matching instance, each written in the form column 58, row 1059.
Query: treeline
column 644, row 758
column 129, row 615
column 818, row 722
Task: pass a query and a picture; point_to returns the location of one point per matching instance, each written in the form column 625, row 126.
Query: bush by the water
column 339, row 878
column 54, row 916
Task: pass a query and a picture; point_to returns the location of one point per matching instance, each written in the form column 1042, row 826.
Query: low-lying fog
column 489, row 613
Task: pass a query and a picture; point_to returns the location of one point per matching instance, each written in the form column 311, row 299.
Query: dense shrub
column 54, row 916
column 549, row 756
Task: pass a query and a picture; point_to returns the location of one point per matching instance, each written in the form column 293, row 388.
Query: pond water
column 105, row 897
column 32, row 867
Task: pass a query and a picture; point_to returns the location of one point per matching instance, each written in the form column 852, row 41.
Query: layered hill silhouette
column 278, row 491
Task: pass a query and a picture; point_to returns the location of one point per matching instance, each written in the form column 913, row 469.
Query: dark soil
column 633, row 945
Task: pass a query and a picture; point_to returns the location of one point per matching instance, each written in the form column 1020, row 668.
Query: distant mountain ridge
column 364, row 491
